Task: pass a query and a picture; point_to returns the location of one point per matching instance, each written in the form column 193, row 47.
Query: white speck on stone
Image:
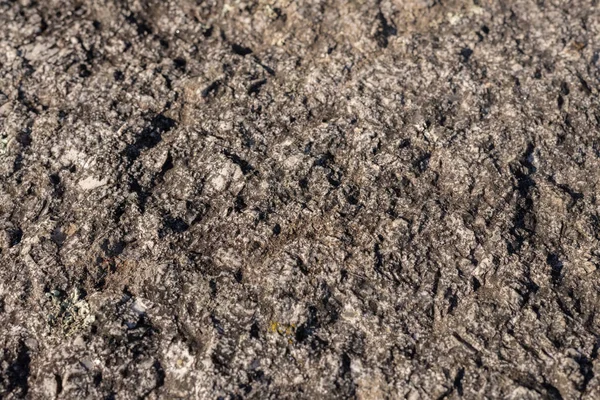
column 454, row 18
column 72, row 155
column 50, row 386
column 90, row 183
column 79, row 341
column 218, row 182
column 138, row 307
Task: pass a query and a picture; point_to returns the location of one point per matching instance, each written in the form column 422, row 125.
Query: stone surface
column 299, row 199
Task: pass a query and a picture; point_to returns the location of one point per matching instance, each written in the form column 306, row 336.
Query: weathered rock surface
column 299, row 199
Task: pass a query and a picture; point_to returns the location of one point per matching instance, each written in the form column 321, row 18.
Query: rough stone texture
column 299, row 199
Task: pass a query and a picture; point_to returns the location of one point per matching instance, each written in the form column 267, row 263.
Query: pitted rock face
column 299, row 199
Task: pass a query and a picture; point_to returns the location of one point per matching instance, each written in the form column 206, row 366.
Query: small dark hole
column 254, row 330
column 84, row 71
column 208, row 32
column 241, row 50
column 238, row 276
column 466, row 53
column 180, row 63
column 277, row 229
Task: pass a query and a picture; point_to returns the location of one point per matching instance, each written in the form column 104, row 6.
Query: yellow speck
column 273, row 327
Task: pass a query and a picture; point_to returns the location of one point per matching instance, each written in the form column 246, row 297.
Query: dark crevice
column 240, row 50
column 211, row 89
column 552, row 392
column 466, row 54
column 422, row 163
column 160, row 379
column 256, row 86
column 556, row 265
column 14, row 236
column 254, row 330
column 378, row 259
column 575, row 196
column 172, row 224
column 586, row 369
column 527, row 288
column 142, row 27
column 142, row 194
column 307, row 329
column 149, row 137
column 524, row 221
column 345, row 383
column 384, row 31
column 458, row 381
column 17, row 375
column 243, row 164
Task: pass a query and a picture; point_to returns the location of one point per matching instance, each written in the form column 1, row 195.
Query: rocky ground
column 230, row 199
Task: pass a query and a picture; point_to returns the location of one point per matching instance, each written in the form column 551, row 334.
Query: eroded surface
column 299, row 199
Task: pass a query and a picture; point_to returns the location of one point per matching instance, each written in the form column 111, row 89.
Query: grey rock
column 299, row 199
